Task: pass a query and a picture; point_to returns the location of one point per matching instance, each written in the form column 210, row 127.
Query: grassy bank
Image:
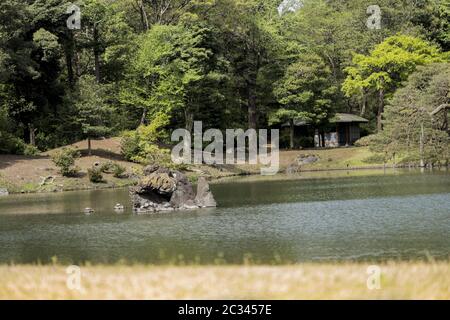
column 399, row 280
column 21, row 174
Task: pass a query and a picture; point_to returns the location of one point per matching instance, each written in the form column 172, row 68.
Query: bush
column 375, row 159
column 64, row 159
column 130, row 144
column 365, row 141
column 152, row 154
column 107, row 167
column 118, row 170
column 30, row 150
column 10, row 144
column 138, row 148
column 110, row 167
column 95, row 175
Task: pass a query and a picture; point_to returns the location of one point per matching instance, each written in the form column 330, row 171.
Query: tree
column 305, row 93
column 387, row 66
column 175, row 70
column 252, row 45
column 93, row 113
column 416, row 118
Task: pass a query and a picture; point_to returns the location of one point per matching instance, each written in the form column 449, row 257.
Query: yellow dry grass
column 399, row 280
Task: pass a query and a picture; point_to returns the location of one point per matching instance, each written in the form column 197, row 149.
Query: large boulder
column 162, row 189
column 204, row 198
column 3, row 192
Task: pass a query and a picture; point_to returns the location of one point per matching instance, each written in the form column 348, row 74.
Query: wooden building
column 344, row 130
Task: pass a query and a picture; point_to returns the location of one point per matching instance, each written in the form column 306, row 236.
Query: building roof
column 347, row 118
column 338, row 118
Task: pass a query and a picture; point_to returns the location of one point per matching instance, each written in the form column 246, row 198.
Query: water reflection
column 400, row 216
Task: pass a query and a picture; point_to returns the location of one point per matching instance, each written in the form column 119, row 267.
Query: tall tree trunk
column 364, row 103
column 143, row 121
column 252, row 117
column 32, row 134
column 189, row 120
column 380, row 110
column 292, row 133
column 252, row 87
column 69, row 67
column 445, row 124
column 144, row 17
column 422, row 137
column 76, row 61
column 89, row 146
column 96, row 54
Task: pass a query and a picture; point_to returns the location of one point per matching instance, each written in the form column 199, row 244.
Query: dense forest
column 141, row 68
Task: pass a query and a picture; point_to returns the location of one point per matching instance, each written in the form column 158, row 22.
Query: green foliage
column 386, row 67
column 141, row 145
column 106, row 167
column 416, row 119
column 118, row 170
column 93, row 113
column 130, row 144
column 152, row 154
column 114, row 168
column 11, row 144
column 305, row 91
column 228, row 63
column 390, row 63
column 95, row 175
column 64, row 159
column 137, row 150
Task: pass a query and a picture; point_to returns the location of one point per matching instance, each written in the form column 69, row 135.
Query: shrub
column 10, row 144
column 107, row 167
column 95, row 175
column 118, row 170
column 365, row 141
column 375, row 159
column 136, row 148
column 30, row 150
column 152, row 154
column 64, row 159
column 130, row 144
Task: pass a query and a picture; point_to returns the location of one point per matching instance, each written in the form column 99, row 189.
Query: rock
column 160, row 183
column 148, row 170
column 307, row 159
column 3, row 192
column 302, row 159
column 118, row 207
column 184, row 191
column 46, row 180
column 204, row 198
column 293, row 168
column 166, row 190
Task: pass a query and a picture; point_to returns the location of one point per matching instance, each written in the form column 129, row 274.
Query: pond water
column 401, row 215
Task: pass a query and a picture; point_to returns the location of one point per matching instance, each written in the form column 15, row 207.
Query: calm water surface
column 394, row 216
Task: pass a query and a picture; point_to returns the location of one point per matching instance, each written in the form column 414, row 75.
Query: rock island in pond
column 162, row 189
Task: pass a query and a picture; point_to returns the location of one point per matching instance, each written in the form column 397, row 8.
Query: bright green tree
column 387, row 66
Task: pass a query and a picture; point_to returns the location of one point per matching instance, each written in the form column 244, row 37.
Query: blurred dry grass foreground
column 399, row 280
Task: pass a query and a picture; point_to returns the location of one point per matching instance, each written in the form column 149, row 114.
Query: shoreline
column 247, row 175
column 26, row 175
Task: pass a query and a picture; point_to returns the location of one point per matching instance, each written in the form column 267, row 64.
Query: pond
column 400, row 215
